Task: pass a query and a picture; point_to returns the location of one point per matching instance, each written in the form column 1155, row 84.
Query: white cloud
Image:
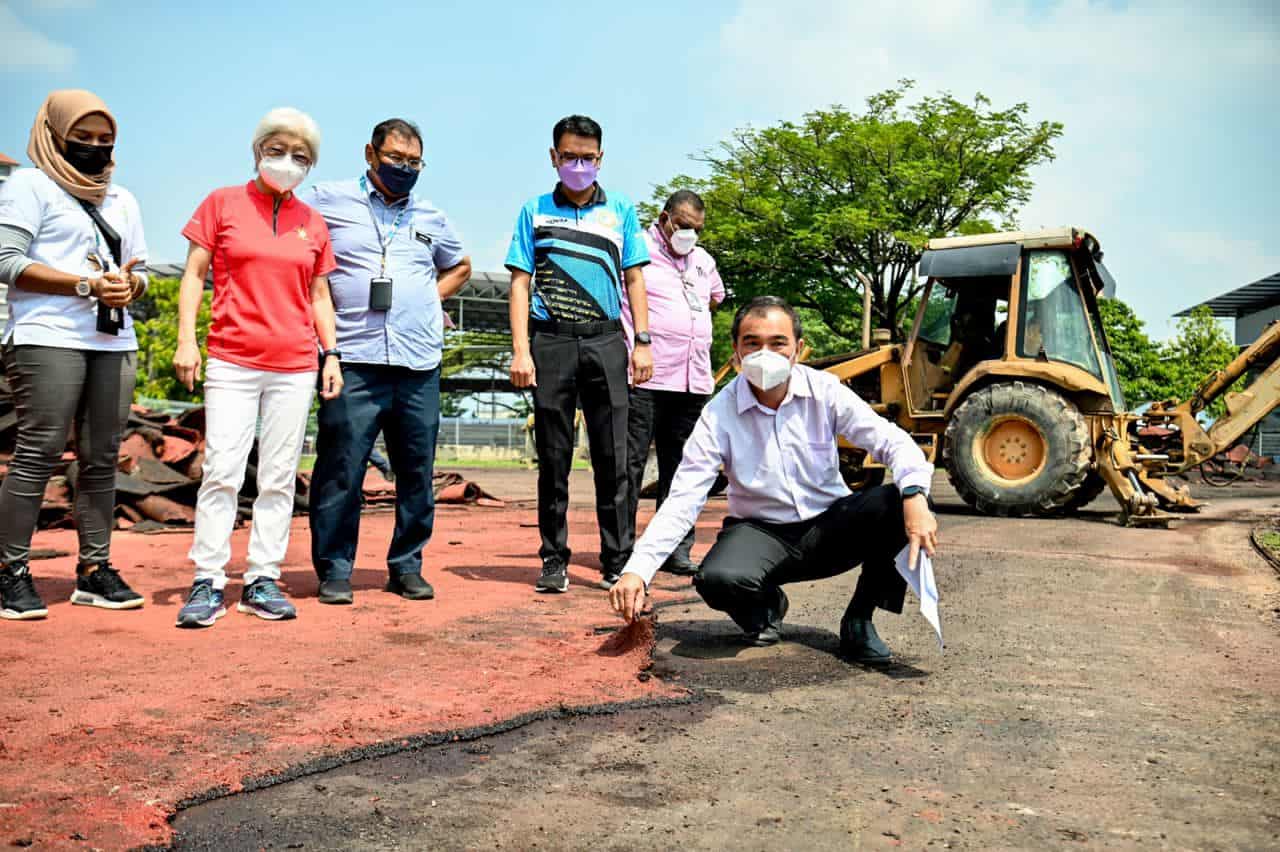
column 24, row 49
column 1124, row 79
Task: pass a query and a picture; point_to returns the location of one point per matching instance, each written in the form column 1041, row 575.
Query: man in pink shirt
column 683, row 287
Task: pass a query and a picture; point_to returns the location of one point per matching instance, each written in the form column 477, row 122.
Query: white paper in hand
column 923, row 584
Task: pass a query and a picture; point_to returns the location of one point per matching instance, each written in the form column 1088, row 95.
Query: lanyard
column 385, row 242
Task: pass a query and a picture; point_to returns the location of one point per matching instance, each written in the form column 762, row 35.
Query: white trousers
column 238, row 400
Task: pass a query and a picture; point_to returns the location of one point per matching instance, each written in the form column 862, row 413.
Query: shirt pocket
column 818, row 461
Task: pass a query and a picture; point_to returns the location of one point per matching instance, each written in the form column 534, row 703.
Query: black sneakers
column 103, row 587
column 18, row 598
column 555, row 578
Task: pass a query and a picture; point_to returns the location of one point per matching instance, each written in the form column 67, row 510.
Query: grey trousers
column 54, row 391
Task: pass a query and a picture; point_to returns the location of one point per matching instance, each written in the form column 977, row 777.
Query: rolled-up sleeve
column 698, row 469
column 885, row 442
column 14, row 244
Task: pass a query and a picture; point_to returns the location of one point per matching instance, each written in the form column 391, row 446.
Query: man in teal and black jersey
column 572, row 252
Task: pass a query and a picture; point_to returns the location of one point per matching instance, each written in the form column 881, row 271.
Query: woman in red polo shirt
column 270, row 254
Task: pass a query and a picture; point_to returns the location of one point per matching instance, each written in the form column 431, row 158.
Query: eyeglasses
column 578, row 160
column 277, row 151
column 402, row 162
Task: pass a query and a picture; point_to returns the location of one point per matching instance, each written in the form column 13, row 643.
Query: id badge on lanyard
column 691, row 293
column 380, row 287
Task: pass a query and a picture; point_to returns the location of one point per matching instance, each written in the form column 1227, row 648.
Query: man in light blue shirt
column 398, row 260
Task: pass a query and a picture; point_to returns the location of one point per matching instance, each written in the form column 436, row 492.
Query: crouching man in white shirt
column 791, row 517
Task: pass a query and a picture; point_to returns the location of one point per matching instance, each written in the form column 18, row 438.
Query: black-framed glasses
column 578, row 160
column 276, row 151
column 402, row 162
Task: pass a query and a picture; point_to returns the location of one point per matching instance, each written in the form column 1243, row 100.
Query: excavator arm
column 1137, row 474
column 1248, row 407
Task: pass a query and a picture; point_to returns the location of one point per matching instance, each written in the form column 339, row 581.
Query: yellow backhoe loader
column 1008, row 379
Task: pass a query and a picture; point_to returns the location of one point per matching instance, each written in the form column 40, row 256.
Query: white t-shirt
column 63, row 238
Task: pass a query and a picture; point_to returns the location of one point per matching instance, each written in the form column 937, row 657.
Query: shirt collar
column 562, row 200
column 799, row 386
column 255, row 192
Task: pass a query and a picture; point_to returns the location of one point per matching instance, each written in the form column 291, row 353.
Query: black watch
column 643, row 338
column 912, row 491
column 334, row 352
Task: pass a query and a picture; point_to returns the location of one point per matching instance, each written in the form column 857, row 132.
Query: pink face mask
column 577, row 175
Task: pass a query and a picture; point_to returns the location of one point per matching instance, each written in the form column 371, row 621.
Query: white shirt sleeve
column 689, row 488
column 884, row 441
column 21, row 204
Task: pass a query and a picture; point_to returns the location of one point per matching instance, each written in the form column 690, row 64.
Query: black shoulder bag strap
column 110, row 320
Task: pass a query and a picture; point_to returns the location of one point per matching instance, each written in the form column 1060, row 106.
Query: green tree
column 1143, row 375
column 798, row 209
column 156, row 324
column 1201, row 347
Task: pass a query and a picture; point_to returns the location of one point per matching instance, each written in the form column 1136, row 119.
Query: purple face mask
column 577, row 175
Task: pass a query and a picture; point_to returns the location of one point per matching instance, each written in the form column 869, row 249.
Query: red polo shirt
column 263, row 265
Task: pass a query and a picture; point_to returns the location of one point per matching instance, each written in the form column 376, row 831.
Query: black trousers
column 591, row 369
column 751, row 560
column 667, row 417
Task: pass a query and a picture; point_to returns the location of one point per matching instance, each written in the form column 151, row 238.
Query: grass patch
column 1270, row 539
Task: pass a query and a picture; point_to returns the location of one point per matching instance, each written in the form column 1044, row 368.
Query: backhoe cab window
column 938, row 311
column 1054, row 322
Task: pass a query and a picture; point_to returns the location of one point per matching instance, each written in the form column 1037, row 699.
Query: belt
column 575, row 329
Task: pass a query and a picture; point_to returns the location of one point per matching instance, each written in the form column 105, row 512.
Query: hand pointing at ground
column 627, row 596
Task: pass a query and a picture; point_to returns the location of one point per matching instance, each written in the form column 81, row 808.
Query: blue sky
column 1172, row 110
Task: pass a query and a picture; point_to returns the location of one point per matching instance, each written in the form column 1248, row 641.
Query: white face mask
column 281, row 173
column 683, row 241
column 766, row 369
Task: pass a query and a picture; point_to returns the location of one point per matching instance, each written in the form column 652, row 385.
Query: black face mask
column 88, row 159
column 397, row 180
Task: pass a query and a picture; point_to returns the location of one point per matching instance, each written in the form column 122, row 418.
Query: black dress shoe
column 336, row 592
column 860, row 642
column 772, row 634
column 411, row 587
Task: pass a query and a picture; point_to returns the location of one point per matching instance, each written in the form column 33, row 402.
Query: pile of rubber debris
column 160, row 465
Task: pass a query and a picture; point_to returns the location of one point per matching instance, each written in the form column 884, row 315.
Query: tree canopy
column 797, row 209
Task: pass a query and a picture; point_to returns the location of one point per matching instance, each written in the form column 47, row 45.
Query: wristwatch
column 643, row 338
column 83, row 288
column 334, row 352
column 912, row 491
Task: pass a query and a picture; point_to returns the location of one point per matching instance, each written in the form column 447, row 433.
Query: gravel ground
column 1101, row 687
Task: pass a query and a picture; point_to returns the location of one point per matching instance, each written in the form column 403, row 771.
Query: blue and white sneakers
column 264, row 599
column 204, row 606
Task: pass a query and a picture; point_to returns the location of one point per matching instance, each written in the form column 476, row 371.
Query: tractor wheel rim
column 1014, row 449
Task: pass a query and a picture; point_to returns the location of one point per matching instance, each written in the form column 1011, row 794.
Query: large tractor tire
column 1017, row 448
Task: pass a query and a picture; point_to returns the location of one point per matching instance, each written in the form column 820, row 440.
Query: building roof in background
column 1251, row 298
column 8, row 161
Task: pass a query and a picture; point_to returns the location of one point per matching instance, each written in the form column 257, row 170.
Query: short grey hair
column 289, row 120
